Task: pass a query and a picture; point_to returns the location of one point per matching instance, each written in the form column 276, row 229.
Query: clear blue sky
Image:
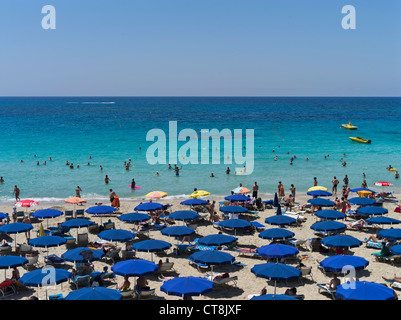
column 200, row 48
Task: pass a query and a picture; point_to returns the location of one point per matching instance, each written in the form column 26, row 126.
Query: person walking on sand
column 78, row 191
column 335, row 184
column 112, row 195
column 16, row 192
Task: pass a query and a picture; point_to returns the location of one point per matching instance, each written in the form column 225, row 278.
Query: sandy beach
column 247, row 283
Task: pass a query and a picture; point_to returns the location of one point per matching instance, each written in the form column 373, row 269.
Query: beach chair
column 113, row 254
column 108, row 275
column 166, row 267
column 222, row 279
column 199, row 266
column 70, row 242
column 32, row 261
column 82, row 240
column 109, row 225
column 395, row 258
column 144, row 294
column 306, row 271
column 20, row 216
column 323, row 288
column 55, row 297
column 314, row 244
column 251, row 253
column 80, row 213
column 372, row 244
column 68, row 214
column 298, row 243
column 127, row 294
column 7, row 288
column 128, row 254
column 53, row 259
column 24, row 249
column 184, row 248
column 93, row 229
column 81, row 281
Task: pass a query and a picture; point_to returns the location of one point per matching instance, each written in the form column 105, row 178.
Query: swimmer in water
column 228, row 170
column 177, row 170
column 212, row 175
column 106, row 179
column 157, row 173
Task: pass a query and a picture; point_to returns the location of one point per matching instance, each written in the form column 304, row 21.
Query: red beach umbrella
column 26, row 203
column 382, row 184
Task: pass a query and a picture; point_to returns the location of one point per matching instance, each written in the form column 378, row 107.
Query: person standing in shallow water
column 16, row 192
column 106, row 179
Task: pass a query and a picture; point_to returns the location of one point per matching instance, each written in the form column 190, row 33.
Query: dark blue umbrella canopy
column 319, row 193
column 134, row 217
column 233, row 209
column 3, row 215
column 47, row 241
column 235, row 224
column 275, row 200
column 330, row 214
column 47, row 214
column 382, row 220
column 212, row 257
column 187, row 286
column 151, row 245
column 134, row 268
column 328, row 226
column 216, row 240
column 364, row 290
column 338, row 262
column 273, row 297
column 276, row 271
column 16, row 227
column 361, row 201
column 396, row 249
column 276, row 233
column 321, row 202
column 82, row 254
column 7, row 262
column 280, row 220
column 341, row 241
column 77, row 223
column 148, row 206
column 118, row 235
column 278, row 211
column 194, row 202
column 362, row 189
column 392, row 234
column 100, row 210
column 94, row 293
column 372, row 210
column 277, row 251
column 237, row 197
column 184, row 215
column 177, row 231
column 44, row 277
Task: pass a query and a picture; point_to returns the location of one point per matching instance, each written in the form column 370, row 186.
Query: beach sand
column 247, row 283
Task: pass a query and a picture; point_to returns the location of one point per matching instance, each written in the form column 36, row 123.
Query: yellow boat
column 359, row 139
column 349, row 126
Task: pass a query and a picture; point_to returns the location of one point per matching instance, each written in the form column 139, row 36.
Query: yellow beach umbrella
column 317, row 188
column 199, row 193
column 41, row 230
column 364, row 193
column 156, row 194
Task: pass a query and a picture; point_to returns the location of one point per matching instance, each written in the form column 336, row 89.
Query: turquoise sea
column 113, row 129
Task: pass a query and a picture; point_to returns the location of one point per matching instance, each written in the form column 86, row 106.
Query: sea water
column 106, row 131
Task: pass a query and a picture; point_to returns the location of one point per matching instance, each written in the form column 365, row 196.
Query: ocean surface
column 112, row 130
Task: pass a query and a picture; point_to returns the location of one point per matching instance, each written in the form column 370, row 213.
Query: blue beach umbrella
column 100, row 210
column 328, row 226
column 134, row 267
column 134, row 217
column 273, row 297
column 148, row 206
column 177, row 231
column 194, row 202
column 237, row 197
column 3, row 215
column 372, row 210
column 321, row 202
column 77, row 223
column 341, row 241
column 151, row 246
column 362, row 189
column 7, row 262
column 364, row 290
column 233, row 209
column 276, row 271
column 216, row 240
column 319, row 193
column 47, row 241
column 212, row 257
column 330, row 214
column 391, row 234
column 94, row 293
column 361, row 201
column 47, row 214
column 275, row 200
column 187, row 286
column 396, row 249
column 277, row 251
column 280, row 220
column 278, row 211
column 235, row 224
column 382, row 220
column 338, row 262
column 82, row 254
column 276, row 234
column 14, row 228
column 184, row 215
column 118, row 235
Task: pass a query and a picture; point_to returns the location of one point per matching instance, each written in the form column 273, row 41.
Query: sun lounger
column 166, row 266
column 32, row 261
column 144, row 294
column 7, row 288
column 55, row 297
column 53, row 259
column 323, row 288
column 79, row 213
column 81, row 281
column 128, row 254
column 298, row 243
column 372, row 244
column 306, row 271
column 185, row 248
column 68, row 214
column 82, row 240
column 199, row 266
column 247, row 252
column 127, row 294
column 391, row 258
column 221, row 279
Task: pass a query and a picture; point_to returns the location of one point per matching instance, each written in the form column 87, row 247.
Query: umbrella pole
column 275, row 286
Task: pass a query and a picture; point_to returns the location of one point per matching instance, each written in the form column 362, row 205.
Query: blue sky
column 200, row 48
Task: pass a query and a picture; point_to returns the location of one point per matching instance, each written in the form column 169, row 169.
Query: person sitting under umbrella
column 124, row 285
column 142, row 283
column 384, row 252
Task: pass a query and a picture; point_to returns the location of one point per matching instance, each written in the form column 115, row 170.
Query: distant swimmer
column 389, row 167
column 344, row 164
column 37, row 162
column 276, row 158
column 101, row 168
column 133, row 184
column 228, row 170
column 106, row 179
column 157, row 173
column 22, row 161
column 212, row 175
column 44, row 163
column 71, row 166
column 396, row 175
column 16, row 192
column 90, row 157
column 307, row 159
column 89, row 164
column 177, row 170
column 78, row 166
column 67, row 163
column 1, row 180
column 169, row 166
